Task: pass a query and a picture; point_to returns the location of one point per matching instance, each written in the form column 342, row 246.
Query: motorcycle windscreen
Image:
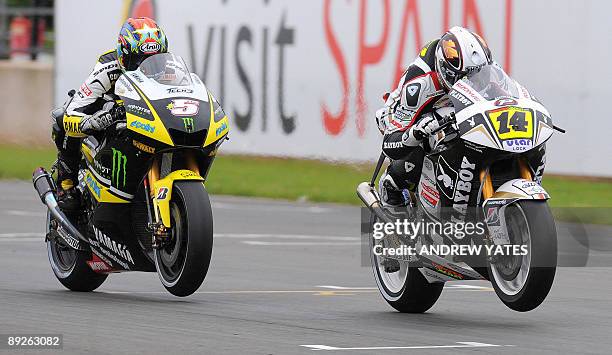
column 165, row 102
column 494, row 111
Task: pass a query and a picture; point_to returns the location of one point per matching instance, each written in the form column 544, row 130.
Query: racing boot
column 394, row 204
column 390, row 195
column 68, row 196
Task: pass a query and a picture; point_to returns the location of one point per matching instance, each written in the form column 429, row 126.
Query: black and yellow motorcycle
column 145, row 207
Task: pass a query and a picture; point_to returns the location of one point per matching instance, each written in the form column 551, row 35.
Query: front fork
column 159, row 192
column 495, row 202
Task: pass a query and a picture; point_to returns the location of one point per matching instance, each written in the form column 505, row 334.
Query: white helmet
column 459, row 52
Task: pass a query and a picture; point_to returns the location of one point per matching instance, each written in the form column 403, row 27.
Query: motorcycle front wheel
column 522, row 282
column 182, row 263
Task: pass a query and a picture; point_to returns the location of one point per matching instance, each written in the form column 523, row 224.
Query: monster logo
column 188, row 122
column 119, row 166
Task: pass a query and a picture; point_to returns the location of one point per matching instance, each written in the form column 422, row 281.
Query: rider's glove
column 381, row 115
column 423, row 129
column 100, row 120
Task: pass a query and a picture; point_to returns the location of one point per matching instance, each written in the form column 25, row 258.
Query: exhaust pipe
column 45, row 187
column 367, row 194
column 369, row 197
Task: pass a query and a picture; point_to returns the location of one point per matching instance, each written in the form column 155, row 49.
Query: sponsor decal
column 467, row 90
column 530, row 187
column 97, row 264
column 518, row 145
column 71, row 126
column 93, row 185
column 188, row 122
column 117, row 249
column 505, row 101
column 126, row 84
column 86, row 90
column 392, row 145
column 179, row 91
column 119, row 168
column 143, row 126
column 412, row 94
column 137, row 77
column 102, row 169
column 446, row 271
column 141, row 146
column 463, row 189
column 108, row 67
column 184, row 107
column 413, row 89
column 150, row 47
column 430, row 194
column 188, row 174
column 138, row 110
column 221, row 129
column 68, row 238
column 162, row 194
column 402, row 114
column 113, row 76
column 492, row 217
column 446, row 178
column 461, row 98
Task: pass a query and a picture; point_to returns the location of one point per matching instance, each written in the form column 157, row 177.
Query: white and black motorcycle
column 476, row 170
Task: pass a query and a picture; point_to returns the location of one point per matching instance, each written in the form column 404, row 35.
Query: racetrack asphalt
column 285, row 278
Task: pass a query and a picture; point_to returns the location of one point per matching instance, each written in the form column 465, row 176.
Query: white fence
column 303, row 78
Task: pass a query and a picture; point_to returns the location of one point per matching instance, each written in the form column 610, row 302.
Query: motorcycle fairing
column 152, row 115
column 494, row 207
column 163, row 192
column 513, row 122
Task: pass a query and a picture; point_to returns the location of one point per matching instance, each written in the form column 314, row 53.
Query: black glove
column 102, row 119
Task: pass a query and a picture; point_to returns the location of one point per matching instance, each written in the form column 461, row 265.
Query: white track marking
column 284, row 236
column 24, row 213
column 457, row 345
column 270, row 208
column 21, row 235
column 347, row 288
column 447, row 286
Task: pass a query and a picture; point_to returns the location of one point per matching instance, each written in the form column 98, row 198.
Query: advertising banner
column 304, row 78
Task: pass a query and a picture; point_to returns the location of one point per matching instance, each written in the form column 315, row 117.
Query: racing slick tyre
column 522, row 282
column 70, row 267
column 402, row 286
column 182, row 263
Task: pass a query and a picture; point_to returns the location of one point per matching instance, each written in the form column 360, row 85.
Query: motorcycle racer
column 92, row 108
column 407, row 119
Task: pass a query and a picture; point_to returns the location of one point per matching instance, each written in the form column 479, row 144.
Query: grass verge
column 311, row 180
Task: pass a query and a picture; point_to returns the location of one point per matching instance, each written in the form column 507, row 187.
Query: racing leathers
column 407, row 121
column 89, row 110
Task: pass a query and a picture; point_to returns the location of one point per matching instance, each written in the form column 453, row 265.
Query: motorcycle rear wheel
column 406, row 290
column 523, row 282
column 70, row 268
column 183, row 263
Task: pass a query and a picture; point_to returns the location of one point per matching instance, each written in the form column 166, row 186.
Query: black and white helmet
column 459, row 52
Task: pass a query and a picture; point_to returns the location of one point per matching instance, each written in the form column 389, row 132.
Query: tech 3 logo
column 119, row 168
column 188, row 122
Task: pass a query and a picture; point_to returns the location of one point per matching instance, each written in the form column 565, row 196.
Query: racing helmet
column 459, row 52
column 138, row 39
